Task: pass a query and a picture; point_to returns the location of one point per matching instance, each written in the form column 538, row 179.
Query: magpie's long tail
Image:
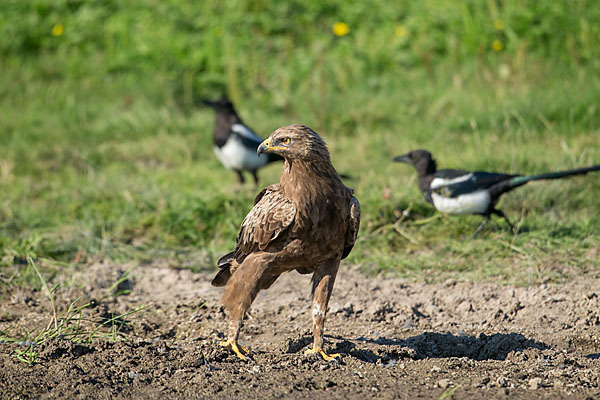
column 520, row 180
column 517, row 181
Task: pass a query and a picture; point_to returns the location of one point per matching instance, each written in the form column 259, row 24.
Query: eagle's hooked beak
column 263, row 147
column 403, row 158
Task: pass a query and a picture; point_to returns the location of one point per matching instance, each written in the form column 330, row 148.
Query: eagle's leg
column 323, row 280
column 240, row 292
column 234, row 332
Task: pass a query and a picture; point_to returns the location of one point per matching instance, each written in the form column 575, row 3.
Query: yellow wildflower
column 340, row 29
column 57, row 30
column 498, row 25
column 400, row 31
column 497, row 45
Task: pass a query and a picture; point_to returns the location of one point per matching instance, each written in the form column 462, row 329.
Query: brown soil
column 398, row 340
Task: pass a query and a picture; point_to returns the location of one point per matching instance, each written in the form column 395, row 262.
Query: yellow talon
column 236, row 348
column 326, row 357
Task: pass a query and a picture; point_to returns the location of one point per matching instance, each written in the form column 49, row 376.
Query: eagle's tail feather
column 224, row 273
column 517, row 181
column 226, row 260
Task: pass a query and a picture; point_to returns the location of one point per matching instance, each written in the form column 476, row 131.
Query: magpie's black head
column 420, row 159
column 221, row 105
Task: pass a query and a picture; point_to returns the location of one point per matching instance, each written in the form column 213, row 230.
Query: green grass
column 104, row 154
column 71, row 324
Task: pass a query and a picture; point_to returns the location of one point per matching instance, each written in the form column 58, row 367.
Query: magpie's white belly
column 234, row 155
column 471, row 203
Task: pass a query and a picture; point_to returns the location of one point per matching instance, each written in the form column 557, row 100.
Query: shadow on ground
column 430, row 345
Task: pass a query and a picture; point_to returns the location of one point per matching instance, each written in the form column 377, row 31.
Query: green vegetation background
column 105, row 154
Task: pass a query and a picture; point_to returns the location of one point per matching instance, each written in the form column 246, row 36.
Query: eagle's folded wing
column 352, row 231
column 271, row 215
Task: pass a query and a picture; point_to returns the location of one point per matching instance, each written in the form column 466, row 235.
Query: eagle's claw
column 326, row 357
column 236, row 348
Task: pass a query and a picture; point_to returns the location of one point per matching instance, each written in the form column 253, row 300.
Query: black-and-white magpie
column 235, row 143
column 456, row 191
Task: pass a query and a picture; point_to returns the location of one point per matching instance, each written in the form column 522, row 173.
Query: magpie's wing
column 448, row 174
column 453, row 183
column 249, row 139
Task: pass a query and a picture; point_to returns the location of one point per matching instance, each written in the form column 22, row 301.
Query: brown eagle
column 308, row 223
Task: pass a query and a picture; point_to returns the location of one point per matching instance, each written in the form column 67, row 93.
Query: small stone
column 436, row 369
column 132, row 375
column 484, row 381
column 558, row 383
column 443, row 383
column 389, row 363
column 502, row 381
column 408, row 324
column 535, row 383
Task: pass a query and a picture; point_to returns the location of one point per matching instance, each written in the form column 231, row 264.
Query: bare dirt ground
column 398, row 340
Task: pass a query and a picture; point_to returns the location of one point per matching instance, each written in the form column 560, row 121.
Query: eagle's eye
column 286, row 141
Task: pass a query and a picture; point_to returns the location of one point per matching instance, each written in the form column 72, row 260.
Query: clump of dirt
column 398, row 339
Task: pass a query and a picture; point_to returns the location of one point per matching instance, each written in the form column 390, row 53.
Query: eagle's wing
column 271, row 215
column 352, row 231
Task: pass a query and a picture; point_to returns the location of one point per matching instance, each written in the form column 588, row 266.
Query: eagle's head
column 420, row 159
column 295, row 142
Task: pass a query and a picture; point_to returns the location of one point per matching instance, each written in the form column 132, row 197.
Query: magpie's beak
column 208, row 103
column 403, row 158
column 263, row 147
